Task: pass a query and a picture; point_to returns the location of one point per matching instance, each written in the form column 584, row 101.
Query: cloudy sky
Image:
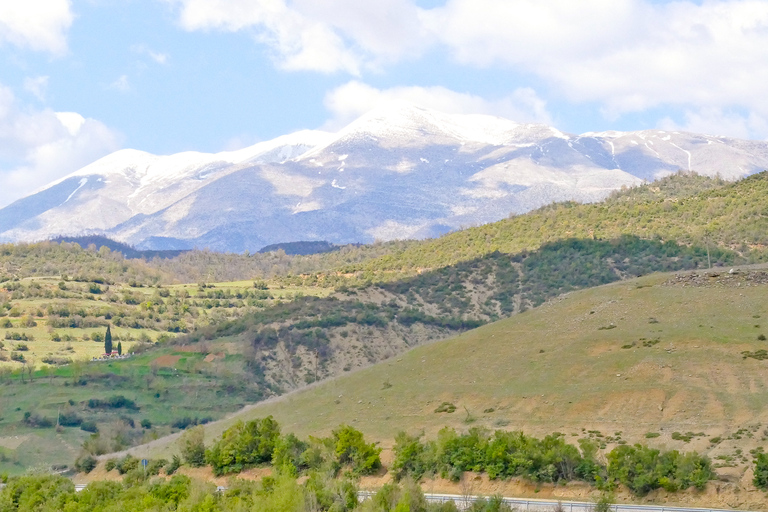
column 82, row 78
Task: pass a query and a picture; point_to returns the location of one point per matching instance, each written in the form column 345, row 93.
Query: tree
column 119, row 348
column 761, row 471
column 192, row 443
column 108, row 341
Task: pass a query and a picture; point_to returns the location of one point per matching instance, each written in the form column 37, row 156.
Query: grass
column 554, row 369
column 191, row 387
column 77, row 345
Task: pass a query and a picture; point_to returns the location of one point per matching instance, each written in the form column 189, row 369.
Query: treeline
column 503, row 454
column 329, row 467
column 686, row 208
column 282, row 493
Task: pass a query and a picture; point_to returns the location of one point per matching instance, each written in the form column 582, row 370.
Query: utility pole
column 709, row 261
column 316, row 357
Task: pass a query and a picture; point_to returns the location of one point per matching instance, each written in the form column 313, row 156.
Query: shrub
column 126, row 464
column 89, row 426
column 351, row 448
column 173, row 466
column 761, row 471
column 446, row 407
column 643, row 469
column 193, row 446
column 244, row 445
column 113, row 402
column 85, row 464
column 70, row 419
column 36, row 421
column 154, row 466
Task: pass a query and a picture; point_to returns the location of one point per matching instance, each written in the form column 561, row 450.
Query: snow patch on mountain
column 399, row 171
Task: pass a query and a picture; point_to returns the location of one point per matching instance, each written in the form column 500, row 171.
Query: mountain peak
column 398, row 171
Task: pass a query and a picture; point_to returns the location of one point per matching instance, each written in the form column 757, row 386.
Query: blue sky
column 82, row 78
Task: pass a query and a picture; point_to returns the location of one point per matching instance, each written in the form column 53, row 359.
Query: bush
column 351, row 448
column 89, row 426
column 126, row 464
column 761, row 471
column 173, row 466
column 114, row 402
column 643, row 469
column 446, row 407
column 85, row 464
column 193, row 446
column 244, row 445
column 154, row 466
column 36, row 421
column 70, row 419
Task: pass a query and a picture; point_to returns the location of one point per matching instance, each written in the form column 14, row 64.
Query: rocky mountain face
column 400, row 171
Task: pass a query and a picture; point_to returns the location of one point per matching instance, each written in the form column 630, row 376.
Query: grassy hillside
column 243, row 350
column 313, row 337
column 684, row 208
column 671, row 361
column 57, row 320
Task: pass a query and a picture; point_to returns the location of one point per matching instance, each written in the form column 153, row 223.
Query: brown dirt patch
column 212, row 357
column 166, row 360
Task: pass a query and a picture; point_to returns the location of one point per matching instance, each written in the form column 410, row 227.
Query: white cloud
column 299, row 42
column 629, row 55
column 37, row 147
column 354, row 98
column 716, row 121
column 318, row 35
column 37, row 24
column 37, row 86
column 157, row 57
column 625, row 55
column 121, row 84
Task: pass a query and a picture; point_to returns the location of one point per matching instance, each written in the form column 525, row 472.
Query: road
column 535, row 505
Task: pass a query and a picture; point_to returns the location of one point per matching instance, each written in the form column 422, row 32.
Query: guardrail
column 538, row 505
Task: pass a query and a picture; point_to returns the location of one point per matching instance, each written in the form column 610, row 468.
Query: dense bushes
column 259, row 442
column 761, row 471
column 644, row 469
column 244, row 445
column 500, row 454
column 551, row 459
column 113, row 402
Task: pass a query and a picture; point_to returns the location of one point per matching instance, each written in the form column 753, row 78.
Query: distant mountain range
column 400, row 171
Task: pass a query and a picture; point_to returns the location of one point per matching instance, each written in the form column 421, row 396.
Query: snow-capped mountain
column 399, row 171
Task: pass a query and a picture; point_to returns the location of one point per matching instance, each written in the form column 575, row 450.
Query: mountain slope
column 661, row 355
column 397, row 172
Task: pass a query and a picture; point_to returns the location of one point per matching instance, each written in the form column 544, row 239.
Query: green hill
column 672, row 360
column 685, row 208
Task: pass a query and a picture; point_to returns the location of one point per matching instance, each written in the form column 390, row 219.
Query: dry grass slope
column 562, row 367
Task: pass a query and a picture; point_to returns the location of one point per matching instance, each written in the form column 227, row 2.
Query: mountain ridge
column 397, row 172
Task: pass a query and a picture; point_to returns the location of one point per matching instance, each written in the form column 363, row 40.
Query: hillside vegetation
column 677, row 362
column 313, row 337
column 684, row 208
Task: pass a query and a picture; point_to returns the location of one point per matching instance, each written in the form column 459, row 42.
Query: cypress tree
column 108, row 341
column 119, row 348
